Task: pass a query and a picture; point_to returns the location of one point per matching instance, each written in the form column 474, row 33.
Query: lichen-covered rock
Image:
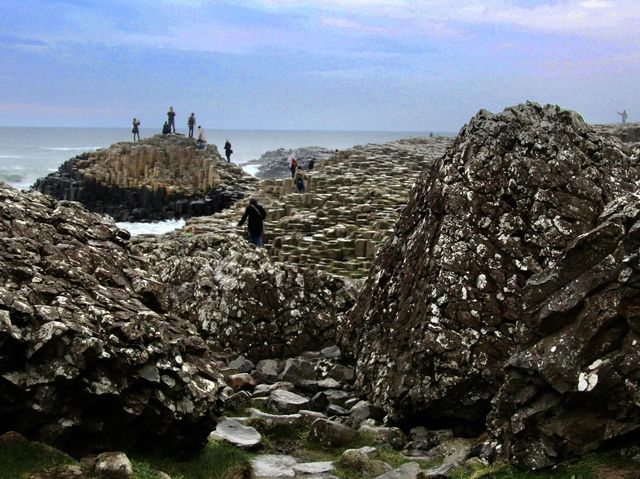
column 157, row 178
column 574, row 385
column 88, row 356
column 441, row 308
column 241, row 300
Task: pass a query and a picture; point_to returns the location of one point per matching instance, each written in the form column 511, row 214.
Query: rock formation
column 575, row 384
column 162, row 177
column 442, row 306
column 626, row 132
column 275, row 164
column 241, row 300
column 89, row 357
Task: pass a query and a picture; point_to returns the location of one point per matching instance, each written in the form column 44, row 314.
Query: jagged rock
column 319, row 402
column 275, row 164
column 409, row 470
column 237, row 401
column 241, row 381
column 263, row 390
column 331, row 352
column 157, row 178
column 88, row 355
column 286, row 402
column 113, row 465
column 334, row 410
column 627, row 132
column 574, row 385
column 331, row 434
column 270, row 422
column 385, row 435
column 297, row 370
column 242, row 364
column 240, row 300
column 267, row 370
column 233, row 432
column 363, row 410
column 342, row 374
column 438, row 316
column 328, row 383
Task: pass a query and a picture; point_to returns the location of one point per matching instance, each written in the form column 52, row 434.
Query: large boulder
column 441, row 309
column 242, row 300
column 89, row 358
column 574, row 386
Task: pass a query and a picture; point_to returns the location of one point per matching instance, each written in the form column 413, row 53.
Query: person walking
column 228, row 151
column 256, row 214
column 135, row 130
column 171, row 119
column 191, row 122
column 299, row 179
column 623, row 115
column 293, row 164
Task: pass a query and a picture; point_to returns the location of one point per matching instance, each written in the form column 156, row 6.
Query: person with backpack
column 293, row 164
column 135, row 130
column 191, row 122
column 299, row 179
column 256, row 214
column 171, row 115
column 228, row 151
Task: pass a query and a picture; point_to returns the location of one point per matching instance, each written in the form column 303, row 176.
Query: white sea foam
column 156, row 228
column 250, row 169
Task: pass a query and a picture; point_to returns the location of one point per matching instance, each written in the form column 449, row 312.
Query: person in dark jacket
column 191, row 122
column 256, row 215
column 228, row 150
column 135, row 130
column 166, row 129
column 171, row 119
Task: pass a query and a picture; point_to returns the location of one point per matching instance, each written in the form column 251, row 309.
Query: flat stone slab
column 286, row 401
column 272, row 466
column 410, row 470
column 313, row 467
column 233, row 432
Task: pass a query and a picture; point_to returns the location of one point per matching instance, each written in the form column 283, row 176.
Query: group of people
column 297, row 174
column 170, row 127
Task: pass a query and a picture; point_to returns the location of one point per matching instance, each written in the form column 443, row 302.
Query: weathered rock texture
column 575, row 384
column 157, row 178
column 626, row 132
column 88, row 356
column 440, row 310
column 240, row 299
column 275, row 164
column 348, row 210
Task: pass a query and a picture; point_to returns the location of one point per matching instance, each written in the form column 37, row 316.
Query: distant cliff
column 158, row 178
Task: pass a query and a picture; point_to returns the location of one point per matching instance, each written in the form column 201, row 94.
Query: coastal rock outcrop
column 241, row 300
column 89, row 358
column 626, row 132
column 162, row 177
column 441, row 310
column 575, row 385
column 275, row 164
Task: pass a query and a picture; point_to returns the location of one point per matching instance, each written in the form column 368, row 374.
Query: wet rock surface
column 573, row 386
column 161, row 177
column 441, row 309
column 89, row 358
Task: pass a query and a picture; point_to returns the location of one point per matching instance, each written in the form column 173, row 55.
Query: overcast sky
column 302, row 64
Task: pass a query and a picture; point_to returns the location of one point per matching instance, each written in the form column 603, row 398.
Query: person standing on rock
column 228, row 150
column 135, row 130
column 191, row 122
column 256, row 215
column 623, row 116
column 299, row 179
column 171, row 115
column 293, row 164
column 202, row 140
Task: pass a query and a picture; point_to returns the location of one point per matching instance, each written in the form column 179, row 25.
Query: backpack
column 294, row 163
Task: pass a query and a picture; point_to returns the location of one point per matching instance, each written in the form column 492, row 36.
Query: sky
column 396, row 65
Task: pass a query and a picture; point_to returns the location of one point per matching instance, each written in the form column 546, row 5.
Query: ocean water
column 27, row 154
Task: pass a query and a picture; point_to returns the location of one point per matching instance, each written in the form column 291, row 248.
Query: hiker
column 312, row 163
column 299, row 179
column 293, row 164
column 191, row 122
column 171, row 115
column 202, row 140
column 256, row 215
column 623, row 115
column 228, row 150
column 135, row 130
column 166, row 129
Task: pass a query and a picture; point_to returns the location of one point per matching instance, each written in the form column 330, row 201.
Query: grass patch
column 18, row 458
column 216, row 461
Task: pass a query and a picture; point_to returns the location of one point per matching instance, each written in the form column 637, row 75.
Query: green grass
column 216, row 461
column 17, row 459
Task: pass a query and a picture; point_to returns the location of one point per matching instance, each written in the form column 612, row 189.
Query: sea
column 27, row 154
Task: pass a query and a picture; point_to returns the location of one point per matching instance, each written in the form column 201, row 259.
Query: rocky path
column 349, row 207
